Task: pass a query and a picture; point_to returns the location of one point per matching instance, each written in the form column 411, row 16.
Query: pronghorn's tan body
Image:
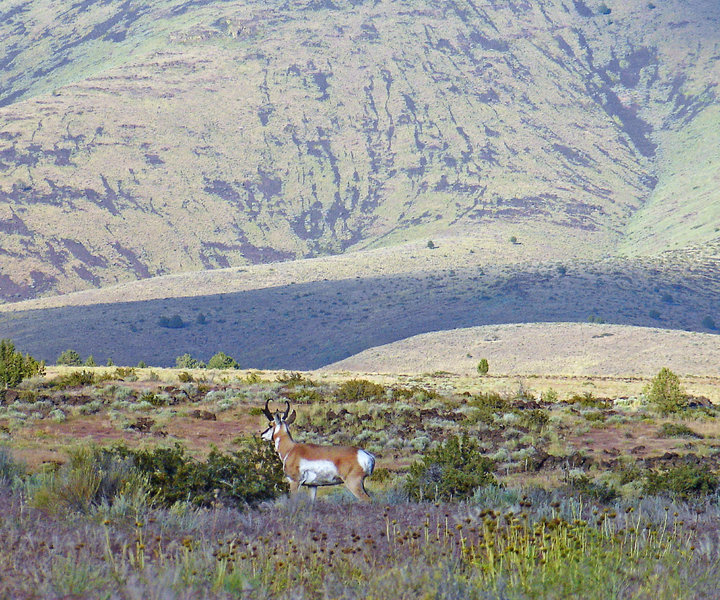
column 313, row 465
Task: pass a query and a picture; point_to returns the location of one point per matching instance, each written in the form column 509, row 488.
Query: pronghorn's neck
column 283, row 441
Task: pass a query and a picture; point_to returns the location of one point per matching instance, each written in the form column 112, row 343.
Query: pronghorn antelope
column 313, row 465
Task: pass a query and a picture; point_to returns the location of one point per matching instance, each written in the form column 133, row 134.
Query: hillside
column 141, row 139
column 309, row 313
column 565, row 349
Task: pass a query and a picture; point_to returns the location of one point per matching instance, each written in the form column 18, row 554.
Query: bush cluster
column 95, row 476
column 685, row 481
column 247, row 476
column 75, row 379
column 452, row 471
column 219, row 361
column 356, row 390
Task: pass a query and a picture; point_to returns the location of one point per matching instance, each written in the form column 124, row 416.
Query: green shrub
column 678, row 430
column 483, row 367
column 248, row 476
column 154, row 399
column 125, row 374
column 535, row 419
column 488, row 406
column 70, row 358
column 452, row 471
column 185, row 377
column 222, row 361
column 595, row 417
column 549, row 395
column 188, row 362
column 290, row 379
column 14, row 367
column 601, row 492
column 355, row 390
column 90, row 361
column 588, row 400
column 75, row 379
column 666, row 393
column 381, row 474
column 685, row 481
column 174, row 322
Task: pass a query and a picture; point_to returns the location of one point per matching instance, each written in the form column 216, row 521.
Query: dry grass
column 568, row 350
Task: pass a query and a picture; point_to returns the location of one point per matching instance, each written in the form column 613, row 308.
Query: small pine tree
column 14, row 367
column 431, row 245
column 222, row 361
column 70, row 358
column 483, row 367
column 666, row 393
column 90, row 362
column 110, row 362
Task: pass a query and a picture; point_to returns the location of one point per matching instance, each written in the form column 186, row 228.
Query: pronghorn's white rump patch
column 318, row 472
column 366, row 461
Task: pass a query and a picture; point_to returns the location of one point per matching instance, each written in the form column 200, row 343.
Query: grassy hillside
column 566, row 349
column 140, row 139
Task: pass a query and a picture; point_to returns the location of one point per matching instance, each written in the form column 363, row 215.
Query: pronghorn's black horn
column 287, row 410
column 266, row 411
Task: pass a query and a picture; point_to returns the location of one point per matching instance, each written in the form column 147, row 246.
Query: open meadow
column 137, row 482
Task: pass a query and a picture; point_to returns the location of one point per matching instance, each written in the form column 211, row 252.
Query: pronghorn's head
column 277, row 421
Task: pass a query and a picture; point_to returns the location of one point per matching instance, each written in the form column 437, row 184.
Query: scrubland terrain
column 360, row 202
column 296, row 183
column 590, row 487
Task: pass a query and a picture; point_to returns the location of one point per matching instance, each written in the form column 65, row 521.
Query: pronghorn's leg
column 312, row 490
column 294, row 485
column 357, row 487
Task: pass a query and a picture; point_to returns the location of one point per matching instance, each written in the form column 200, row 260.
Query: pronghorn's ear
column 291, row 419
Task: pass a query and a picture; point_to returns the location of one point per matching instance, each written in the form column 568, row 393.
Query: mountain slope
column 141, row 139
column 309, row 313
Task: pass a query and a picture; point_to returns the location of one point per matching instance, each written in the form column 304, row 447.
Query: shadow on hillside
column 306, row 326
